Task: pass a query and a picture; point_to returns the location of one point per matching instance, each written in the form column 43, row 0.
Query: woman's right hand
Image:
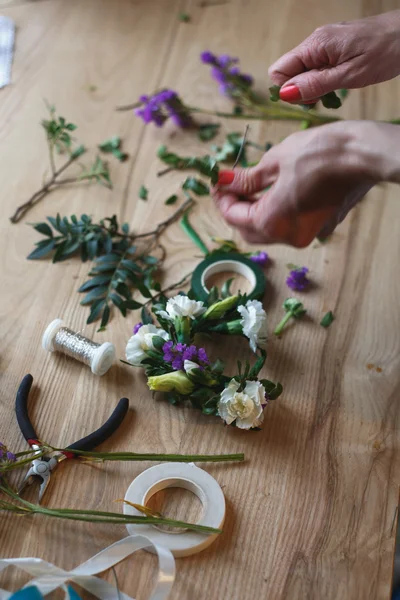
column 350, row 55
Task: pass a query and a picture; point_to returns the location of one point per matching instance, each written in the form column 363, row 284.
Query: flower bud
column 169, row 382
column 218, row 309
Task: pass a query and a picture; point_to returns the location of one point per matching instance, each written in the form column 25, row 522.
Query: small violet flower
column 260, row 258
column 137, row 327
column 228, row 76
column 164, row 105
column 297, row 279
column 176, row 355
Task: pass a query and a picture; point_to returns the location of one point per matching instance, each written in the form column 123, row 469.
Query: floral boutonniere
column 176, row 365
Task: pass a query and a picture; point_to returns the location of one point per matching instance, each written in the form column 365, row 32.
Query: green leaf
column 146, row 316
column 132, row 305
column 95, row 310
column 71, row 127
column 327, row 319
column 195, row 185
column 158, row 342
column 92, row 248
column 331, row 100
column 119, row 155
column 119, row 303
column 96, row 293
column 274, row 93
column 143, row 289
column 43, row 250
column 225, row 291
column 44, row 229
column 105, row 318
column 111, row 144
column 77, row 152
column 273, row 390
column 123, row 289
column 143, row 193
column 184, row 17
column 192, row 233
column 149, row 260
column 113, row 259
column 212, row 296
column 208, row 131
column 94, row 282
column 171, row 200
column 343, row 93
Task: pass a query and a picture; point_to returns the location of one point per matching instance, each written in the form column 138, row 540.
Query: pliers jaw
column 40, row 472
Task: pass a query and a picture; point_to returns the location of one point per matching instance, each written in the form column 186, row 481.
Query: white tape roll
column 186, row 476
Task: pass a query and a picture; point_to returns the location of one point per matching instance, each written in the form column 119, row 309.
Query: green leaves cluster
column 205, row 165
column 113, row 146
column 231, row 148
column 58, row 131
column 113, row 278
column 208, row 131
column 119, row 267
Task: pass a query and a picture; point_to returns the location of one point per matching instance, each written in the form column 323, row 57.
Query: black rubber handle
column 102, row 434
column 21, row 408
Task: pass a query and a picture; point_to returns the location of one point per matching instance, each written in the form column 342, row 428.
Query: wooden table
column 312, row 512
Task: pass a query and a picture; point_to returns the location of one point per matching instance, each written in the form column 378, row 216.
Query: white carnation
column 189, row 366
column 142, row 341
column 246, row 407
column 182, row 306
column 254, row 323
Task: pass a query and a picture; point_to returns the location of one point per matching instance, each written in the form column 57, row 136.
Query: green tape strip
column 228, row 262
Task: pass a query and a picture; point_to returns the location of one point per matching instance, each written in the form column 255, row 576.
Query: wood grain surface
column 312, row 512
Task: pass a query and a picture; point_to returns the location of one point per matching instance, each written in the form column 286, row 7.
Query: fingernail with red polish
column 225, row 177
column 290, row 93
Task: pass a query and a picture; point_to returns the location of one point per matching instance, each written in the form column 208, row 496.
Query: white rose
column 142, row 341
column 254, row 323
column 245, row 408
column 182, row 306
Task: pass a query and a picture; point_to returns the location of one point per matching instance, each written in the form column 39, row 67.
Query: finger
column 237, row 213
column 308, row 86
column 247, row 181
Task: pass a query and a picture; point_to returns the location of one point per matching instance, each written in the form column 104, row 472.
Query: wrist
column 376, row 146
column 368, row 150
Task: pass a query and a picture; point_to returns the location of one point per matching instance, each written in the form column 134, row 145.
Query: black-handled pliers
column 42, row 467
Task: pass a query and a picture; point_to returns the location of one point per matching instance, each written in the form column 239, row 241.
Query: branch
column 173, row 286
column 164, row 224
column 37, row 196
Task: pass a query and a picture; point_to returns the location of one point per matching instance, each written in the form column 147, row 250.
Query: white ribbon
column 48, row 577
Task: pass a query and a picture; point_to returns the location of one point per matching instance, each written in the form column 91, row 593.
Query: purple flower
column 297, row 279
column 176, row 355
column 137, row 327
column 261, row 258
column 208, row 58
column 10, row 456
column 160, row 107
column 202, row 356
column 228, row 76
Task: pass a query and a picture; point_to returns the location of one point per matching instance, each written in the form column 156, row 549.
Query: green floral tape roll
column 228, row 262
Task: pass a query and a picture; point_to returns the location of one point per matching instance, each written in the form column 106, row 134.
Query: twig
column 165, row 171
column 173, row 286
column 164, row 224
column 242, row 146
column 37, row 196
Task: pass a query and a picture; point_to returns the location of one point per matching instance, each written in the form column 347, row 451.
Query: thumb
column 314, row 84
column 245, row 182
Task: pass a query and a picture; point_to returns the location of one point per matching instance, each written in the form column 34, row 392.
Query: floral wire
column 242, row 146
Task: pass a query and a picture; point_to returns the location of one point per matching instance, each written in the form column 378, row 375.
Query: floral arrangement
column 175, row 365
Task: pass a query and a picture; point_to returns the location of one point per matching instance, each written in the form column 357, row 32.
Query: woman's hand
column 315, row 177
column 351, row 55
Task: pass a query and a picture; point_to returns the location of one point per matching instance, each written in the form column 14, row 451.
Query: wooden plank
column 310, row 514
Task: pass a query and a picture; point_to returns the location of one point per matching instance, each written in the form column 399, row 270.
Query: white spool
column 187, row 476
column 101, row 359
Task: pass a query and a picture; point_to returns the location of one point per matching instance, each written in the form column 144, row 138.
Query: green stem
column 279, row 328
column 194, row 236
column 102, row 516
column 132, row 456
